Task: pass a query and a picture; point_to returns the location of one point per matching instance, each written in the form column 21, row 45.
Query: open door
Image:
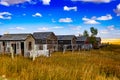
column 4, row 46
column 22, row 48
column 14, row 48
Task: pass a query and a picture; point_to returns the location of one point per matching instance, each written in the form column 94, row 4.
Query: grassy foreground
column 102, row 64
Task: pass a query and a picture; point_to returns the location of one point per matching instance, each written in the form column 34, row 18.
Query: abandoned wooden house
column 21, row 43
column 98, row 42
column 66, row 40
column 83, row 43
column 81, row 40
column 45, row 38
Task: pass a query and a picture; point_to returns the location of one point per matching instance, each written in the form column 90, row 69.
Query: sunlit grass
column 100, row 64
column 111, row 41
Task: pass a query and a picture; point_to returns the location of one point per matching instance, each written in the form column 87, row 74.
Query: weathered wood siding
column 29, row 42
column 61, row 42
column 73, row 41
column 8, row 44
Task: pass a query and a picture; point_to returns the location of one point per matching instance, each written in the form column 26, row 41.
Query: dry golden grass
column 100, row 64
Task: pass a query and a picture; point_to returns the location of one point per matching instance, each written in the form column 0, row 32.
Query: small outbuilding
column 66, row 40
column 81, row 40
column 83, row 43
column 45, row 38
column 21, row 43
column 98, row 42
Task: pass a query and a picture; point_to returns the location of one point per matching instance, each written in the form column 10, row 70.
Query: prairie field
column 111, row 41
column 98, row 64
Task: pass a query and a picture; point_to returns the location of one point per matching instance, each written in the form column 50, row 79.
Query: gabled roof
column 81, row 38
column 42, row 35
column 98, row 38
column 14, row 37
column 65, row 37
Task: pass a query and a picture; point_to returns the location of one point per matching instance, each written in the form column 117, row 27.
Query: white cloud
column 11, row 2
column 5, row 15
column 94, row 1
column 107, row 17
column 44, row 29
column 37, row 15
column 46, row 2
column 77, row 28
column 108, row 29
column 117, row 10
column 17, row 28
column 4, row 3
column 66, row 20
column 94, row 19
column 58, row 27
column 104, row 31
column 90, row 21
column 118, row 6
column 110, row 32
column 85, row 19
column 66, row 8
column 112, row 27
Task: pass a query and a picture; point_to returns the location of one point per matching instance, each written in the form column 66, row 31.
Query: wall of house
column 28, row 45
column 18, row 47
column 52, row 43
column 52, row 39
column 7, row 46
column 61, row 42
column 73, row 41
column 1, row 47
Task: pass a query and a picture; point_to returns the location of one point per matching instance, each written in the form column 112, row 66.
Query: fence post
column 12, row 52
column 72, row 48
column 34, row 52
column 64, row 48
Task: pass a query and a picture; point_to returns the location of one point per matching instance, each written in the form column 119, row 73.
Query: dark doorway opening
column 14, row 48
column 30, row 46
column 4, row 46
column 22, row 48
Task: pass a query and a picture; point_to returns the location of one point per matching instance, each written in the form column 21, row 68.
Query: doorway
column 14, row 48
column 22, row 48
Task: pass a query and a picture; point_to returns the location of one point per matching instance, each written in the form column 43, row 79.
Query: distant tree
column 85, row 33
column 92, row 38
column 94, row 31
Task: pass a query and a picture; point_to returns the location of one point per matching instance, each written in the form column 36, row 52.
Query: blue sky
column 60, row 16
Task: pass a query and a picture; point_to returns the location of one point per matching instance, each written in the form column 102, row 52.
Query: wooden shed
column 81, row 40
column 83, row 43
column 98, row 42
column 68, row 40
column 45, row 38
column 21, row 43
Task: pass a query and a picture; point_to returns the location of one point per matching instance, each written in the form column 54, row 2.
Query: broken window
column 30, row 46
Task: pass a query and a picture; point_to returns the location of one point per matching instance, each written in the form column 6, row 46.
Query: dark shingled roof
column 65, row 37
column 98, row 38
column 14, row 37
column 42, row 35
column 81, row 38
